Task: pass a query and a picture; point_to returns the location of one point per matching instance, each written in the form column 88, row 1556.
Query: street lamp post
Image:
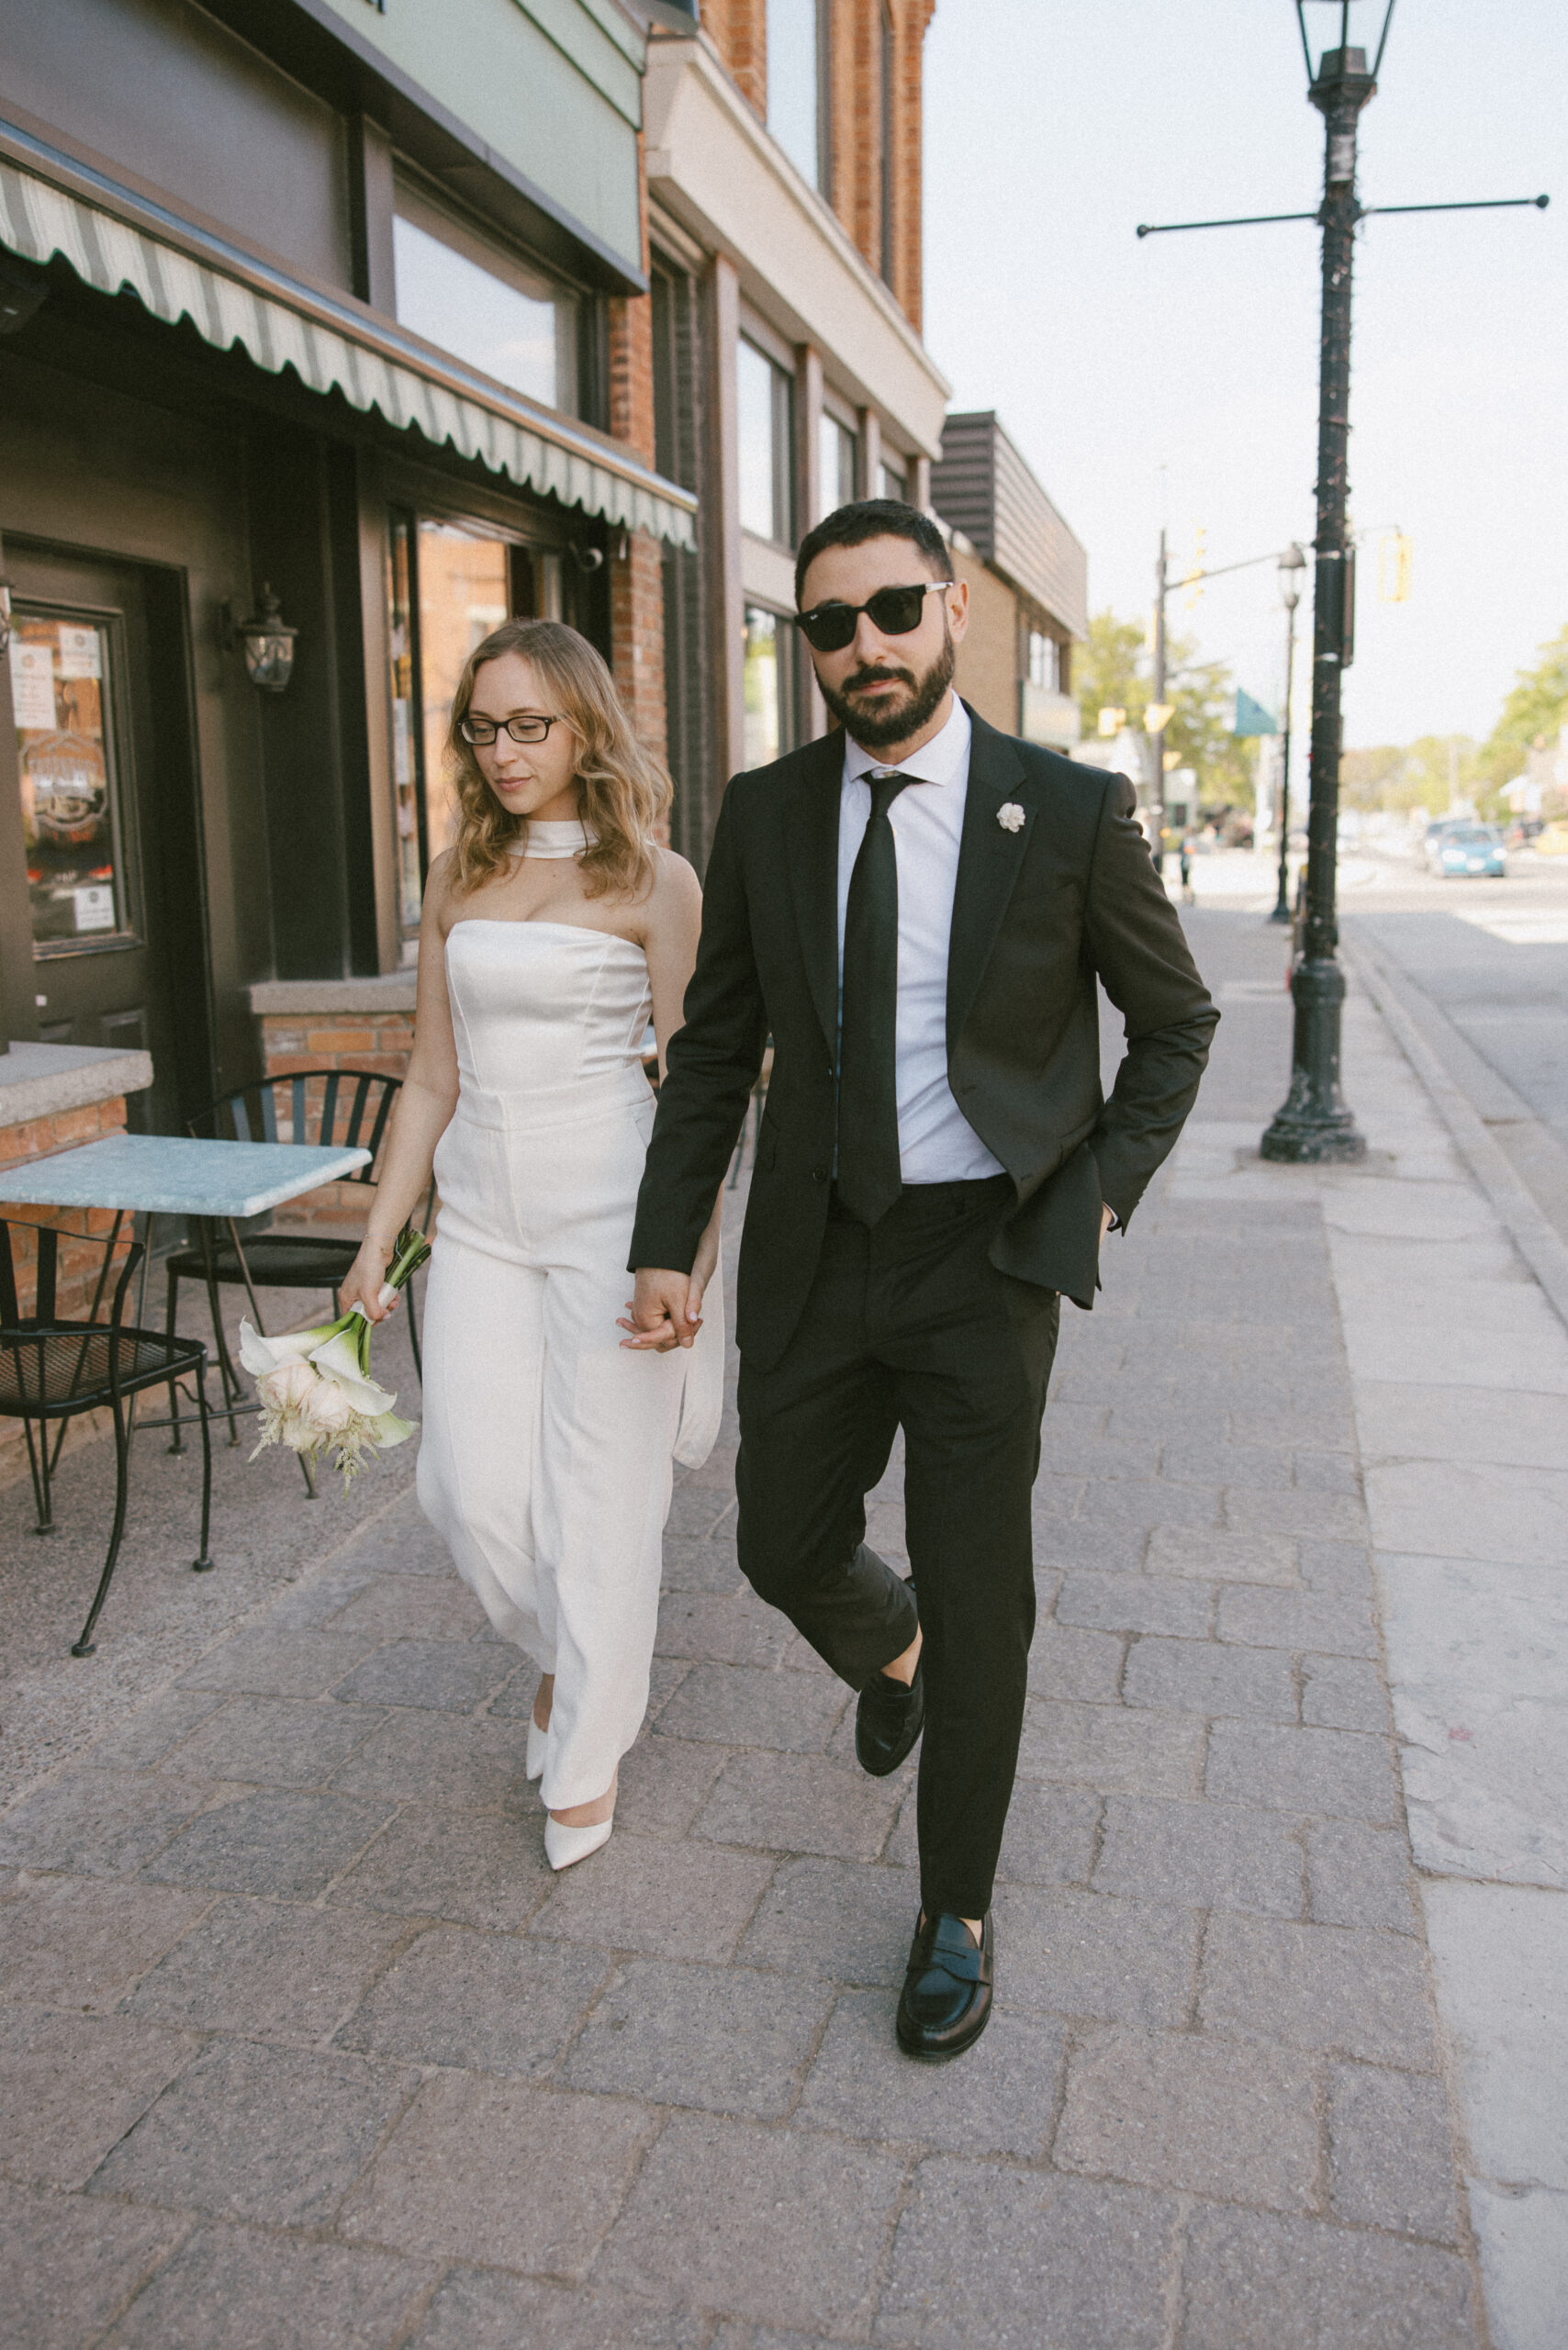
column 1291, row 564
column 1157, row 738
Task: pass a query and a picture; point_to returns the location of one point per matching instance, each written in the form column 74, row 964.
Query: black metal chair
column 346, row 1107
column 52, row 1368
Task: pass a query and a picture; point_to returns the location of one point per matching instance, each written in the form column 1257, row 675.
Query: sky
column 1175, row 379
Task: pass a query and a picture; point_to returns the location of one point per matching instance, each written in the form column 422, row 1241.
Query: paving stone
column 700, row 1566
column 1096, row 1548
column 502, row 2173
column 1341, row 1567
column 1137, row 1603
column 1112, row 1748
column 291, row 1844
column 1252, row 1509
column 792, row 1803
column 999, row 2101
column 488, row 2003
column 152, row 1732
column 729, row 2040
column 671, row 1900
column 1340, row 1624
column 487, row 1871
column 315, row 1599
column 730, row 1627
column 1154, row 1501
column 80, row 1942
column 734, row 1705
column 248, row 2132
column 69, row 2264
column 265, row 1967
column 1205, row 1461
column 1326, row 1472
column 1252, row 2282
column 785, row 2226
column 1223, row 1557
column 1200, row 1856
column 230, row 2289
column 695, row 1513
column 1392, row 2153
column 448, row 1676
column 1091, row 1955
column 72, row 2085
column 278, row 1741
column 513, row 1701
column 1339, row 1772
column 279, row 1665
column 1338, row 1988
column 1067, row 1662
column 1027, row 2261
column 413, row 1607
column 1067, row 1452
column 443, row 1760
column 1211, row 1678
column 1344, row 1692
column 831, row 1920
column 97, row 1823
column 665, row 1781
column 402, row 1542
column 478, row 2310
column 1048, row 1840
column 1358, row 1876
column 665, row 1675
column 1200, row 2115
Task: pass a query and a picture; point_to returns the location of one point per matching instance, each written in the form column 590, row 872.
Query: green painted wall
column 554, row 86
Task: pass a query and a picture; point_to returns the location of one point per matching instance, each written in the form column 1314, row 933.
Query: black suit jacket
column 1039, row 912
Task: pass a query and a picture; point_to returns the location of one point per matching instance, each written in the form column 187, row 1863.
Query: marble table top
column 176, row 1175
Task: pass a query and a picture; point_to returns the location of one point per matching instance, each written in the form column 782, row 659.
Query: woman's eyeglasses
column 482, row 732
column 892, row 612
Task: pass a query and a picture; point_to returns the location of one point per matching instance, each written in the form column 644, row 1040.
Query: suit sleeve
column 1141, row 953
column 712, row 1064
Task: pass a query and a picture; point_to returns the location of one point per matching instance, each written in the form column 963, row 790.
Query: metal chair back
column 339, row 1107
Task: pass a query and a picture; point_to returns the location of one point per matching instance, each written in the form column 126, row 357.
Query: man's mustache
column 876, row 677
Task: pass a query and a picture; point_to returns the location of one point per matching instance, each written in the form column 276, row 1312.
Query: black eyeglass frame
column 506, row 726
column 836, row 614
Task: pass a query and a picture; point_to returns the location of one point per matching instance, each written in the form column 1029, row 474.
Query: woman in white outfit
column 552, row 929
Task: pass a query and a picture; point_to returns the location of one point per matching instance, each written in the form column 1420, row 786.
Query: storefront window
column 798, row 83
column 769, row 728
column 1044, row 668
column 765, row 418
column 471, row 297
column 76, row 878
column 405, row 764
column 836, row 453
column 464, row 592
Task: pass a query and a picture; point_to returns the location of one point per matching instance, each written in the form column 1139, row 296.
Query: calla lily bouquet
column 315, row 1385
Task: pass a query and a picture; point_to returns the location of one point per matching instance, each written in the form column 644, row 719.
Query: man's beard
column 877, row 727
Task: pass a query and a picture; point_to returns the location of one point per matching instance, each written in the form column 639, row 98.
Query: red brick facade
column 636, row 583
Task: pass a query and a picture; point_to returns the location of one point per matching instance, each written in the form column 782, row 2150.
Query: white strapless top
column 538, row 1005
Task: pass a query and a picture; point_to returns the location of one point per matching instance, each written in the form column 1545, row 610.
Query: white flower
column 1010, row 816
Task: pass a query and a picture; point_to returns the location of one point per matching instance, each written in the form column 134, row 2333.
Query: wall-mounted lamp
column 266, row 640
column 587, row 558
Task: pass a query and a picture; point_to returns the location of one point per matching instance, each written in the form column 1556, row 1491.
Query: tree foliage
column 1423, row 774
column 1113, row 670
column 1532, row 717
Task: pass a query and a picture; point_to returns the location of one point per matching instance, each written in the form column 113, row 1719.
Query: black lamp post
column 1293, row 563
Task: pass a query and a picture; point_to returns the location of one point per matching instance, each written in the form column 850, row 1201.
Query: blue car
column 1471, row 850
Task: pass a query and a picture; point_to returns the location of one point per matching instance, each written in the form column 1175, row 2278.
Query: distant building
column 1028, row 581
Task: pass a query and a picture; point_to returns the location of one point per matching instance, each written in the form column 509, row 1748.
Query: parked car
column 1553, row 839
column 1474, row 850
column 1437, row 834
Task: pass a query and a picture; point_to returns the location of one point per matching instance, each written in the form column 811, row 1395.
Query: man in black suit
column 916, row 910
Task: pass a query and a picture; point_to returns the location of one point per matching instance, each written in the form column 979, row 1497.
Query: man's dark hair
column 873, row 518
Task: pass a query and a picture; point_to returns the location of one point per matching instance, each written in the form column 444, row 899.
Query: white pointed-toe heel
column 536, row 1742
column 563, row 1846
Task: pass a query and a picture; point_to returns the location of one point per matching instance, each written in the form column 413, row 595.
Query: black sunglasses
column 482, row 732
column 893, row 611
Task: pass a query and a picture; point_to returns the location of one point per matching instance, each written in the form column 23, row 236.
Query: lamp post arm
column 1247, row 220
column 1482, row 204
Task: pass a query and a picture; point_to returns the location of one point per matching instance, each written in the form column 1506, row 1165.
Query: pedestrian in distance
column 916, row 910
column 552, row 927
column 1187, row 897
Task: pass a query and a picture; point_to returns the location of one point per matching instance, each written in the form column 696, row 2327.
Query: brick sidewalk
column 302, row 2042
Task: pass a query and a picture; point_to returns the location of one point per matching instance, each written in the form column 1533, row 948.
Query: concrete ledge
column 40, row 1080
column 302, row 999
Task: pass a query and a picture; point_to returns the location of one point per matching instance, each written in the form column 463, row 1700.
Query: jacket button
column 819, row 1174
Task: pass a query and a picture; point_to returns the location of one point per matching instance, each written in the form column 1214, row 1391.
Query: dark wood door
column 104, row 817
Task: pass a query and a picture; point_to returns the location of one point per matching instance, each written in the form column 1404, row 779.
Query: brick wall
column 636, row 581
column 738, row 30
column 379, row 1039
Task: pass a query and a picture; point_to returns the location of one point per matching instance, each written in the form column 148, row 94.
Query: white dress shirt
column 936, row 1142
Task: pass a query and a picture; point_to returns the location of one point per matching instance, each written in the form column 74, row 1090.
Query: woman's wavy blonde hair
column 624, row 790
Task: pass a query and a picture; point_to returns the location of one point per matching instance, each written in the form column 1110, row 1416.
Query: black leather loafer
column 888, row 1720
column 946, row 2001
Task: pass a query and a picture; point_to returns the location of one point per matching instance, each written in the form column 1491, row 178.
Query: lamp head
column 1341, row 70
column 1293, row 563
column 268, row 641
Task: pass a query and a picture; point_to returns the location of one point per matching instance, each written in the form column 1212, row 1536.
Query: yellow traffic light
column 1393, row 558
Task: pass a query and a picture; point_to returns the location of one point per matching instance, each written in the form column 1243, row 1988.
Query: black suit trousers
column 910, row 1325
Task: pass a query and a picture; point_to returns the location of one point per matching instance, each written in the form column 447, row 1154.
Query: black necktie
column 868, row 1179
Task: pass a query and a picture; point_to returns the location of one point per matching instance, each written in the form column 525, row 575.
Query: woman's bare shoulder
column 674, row 880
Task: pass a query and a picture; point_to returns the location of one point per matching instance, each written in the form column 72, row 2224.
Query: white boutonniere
column 1010, row 816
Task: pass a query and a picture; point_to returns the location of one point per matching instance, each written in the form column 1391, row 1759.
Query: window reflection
column 764, row 417
column 65, row 757
column 463, row 594
column 768, row 723
column 836, row 459
column 471, row 297
column 797, row 84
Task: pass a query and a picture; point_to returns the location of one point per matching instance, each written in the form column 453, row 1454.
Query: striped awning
column 280, row 325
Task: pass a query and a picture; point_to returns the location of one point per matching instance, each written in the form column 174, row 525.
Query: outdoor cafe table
column 154, row 1175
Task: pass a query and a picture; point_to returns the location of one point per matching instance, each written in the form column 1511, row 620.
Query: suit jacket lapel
column 990, row 857
column 811, row 834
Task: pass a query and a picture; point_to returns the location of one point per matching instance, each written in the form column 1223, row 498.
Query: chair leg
column 40, row 1483
column 203, row 1564
column 85, row 1646
column 177, row 1440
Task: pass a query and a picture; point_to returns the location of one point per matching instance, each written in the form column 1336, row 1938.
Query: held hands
column 365, row 1286
column 667, row 1311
